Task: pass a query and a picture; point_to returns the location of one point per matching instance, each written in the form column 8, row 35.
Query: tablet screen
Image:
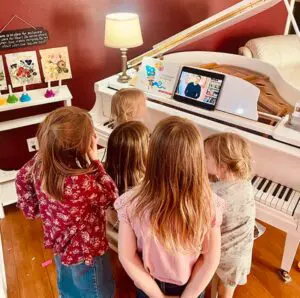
column 199, row 87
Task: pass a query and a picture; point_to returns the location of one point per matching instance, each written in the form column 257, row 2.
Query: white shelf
column 21, row 122
column 38, row 98
column 8, row 193
column 6, row 176
column 63, row 94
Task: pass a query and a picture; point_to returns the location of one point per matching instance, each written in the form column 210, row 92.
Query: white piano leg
column 2, row 215
column 290, row 248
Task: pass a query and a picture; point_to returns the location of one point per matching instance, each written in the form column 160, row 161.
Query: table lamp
column 123, row 31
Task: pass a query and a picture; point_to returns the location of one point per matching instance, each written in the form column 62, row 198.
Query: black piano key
column 107, row 122
column 254, row 179
column 267, row 186
column 288, row 194
column 276, row 190
column 282, row 192
column 111, row 125
column 261, row 184
column 295, row 207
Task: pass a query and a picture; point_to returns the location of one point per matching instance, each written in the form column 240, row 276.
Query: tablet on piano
column 198, row 87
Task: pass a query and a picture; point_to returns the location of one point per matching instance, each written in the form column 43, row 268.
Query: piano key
column 271, row 196
column 297, row 204
column 282, row 201
column 269, row 193
column 106, row 123
column 261, row 183
column 260, row 192
column 275, row 198
column 297, row 208
column 255, row 185
column 267, row 186
column 253, row 179
column 293, row 204
column 257, row 181
column 288, row 194
column 282, row 192
column 276, row 190
column 287, row 203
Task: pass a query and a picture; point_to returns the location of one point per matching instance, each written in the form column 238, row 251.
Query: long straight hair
column 175, row 192
column 64, row 138
column 127, row 149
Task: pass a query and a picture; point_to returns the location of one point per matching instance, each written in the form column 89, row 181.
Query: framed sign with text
column 13, row 39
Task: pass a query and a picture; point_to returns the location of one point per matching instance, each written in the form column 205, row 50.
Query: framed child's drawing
column 23, row 68
column 56, row 64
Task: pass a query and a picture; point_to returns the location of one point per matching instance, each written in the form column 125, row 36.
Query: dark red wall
column 79, row 24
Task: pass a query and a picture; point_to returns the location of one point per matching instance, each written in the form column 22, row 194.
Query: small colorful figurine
column 12, row 98
column 25, row 97
column 49, row 92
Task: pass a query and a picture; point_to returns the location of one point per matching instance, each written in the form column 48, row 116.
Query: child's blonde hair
column 175, row 194
column 127, row 150
column 127, row 104
column 231, row 150
column 64, row 138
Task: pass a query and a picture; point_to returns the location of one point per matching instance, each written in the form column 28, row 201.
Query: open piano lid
column 226, row 18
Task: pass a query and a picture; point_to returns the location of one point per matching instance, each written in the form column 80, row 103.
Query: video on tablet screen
column 199, row 88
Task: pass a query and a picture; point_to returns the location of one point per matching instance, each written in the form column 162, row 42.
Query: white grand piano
column 277, row 163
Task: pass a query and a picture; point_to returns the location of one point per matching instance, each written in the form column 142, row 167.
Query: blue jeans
column 83, row 281
column 167, row 289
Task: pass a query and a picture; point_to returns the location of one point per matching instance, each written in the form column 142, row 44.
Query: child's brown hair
column 231, row 150
column 126, row 104
column 64, row 138
column 175, row 192
column 127, row 150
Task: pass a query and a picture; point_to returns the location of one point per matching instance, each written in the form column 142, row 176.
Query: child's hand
column 92, row 153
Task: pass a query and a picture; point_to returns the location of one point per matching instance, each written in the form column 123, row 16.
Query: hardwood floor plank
column 28, row 253
column 9, row 261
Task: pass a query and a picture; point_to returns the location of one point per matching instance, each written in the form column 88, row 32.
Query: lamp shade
column 122, row 30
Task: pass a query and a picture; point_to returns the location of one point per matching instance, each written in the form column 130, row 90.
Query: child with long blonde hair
column 169, row 234
column 126, row 155
column 229, row 161
column 66, row 185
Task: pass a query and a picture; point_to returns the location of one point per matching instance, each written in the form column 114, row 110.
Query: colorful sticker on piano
column 23, row 68
column 56, row 64
column 3, row 83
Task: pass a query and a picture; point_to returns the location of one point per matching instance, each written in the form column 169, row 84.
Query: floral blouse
column 74, row 227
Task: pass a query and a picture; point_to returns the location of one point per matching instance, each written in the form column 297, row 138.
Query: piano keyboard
column 277, row 196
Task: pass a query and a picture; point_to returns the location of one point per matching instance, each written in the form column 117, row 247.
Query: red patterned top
column 75, row 226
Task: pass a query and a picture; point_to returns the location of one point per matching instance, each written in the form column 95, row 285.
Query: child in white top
column 229, row 163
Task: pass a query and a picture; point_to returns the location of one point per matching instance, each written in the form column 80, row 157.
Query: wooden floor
column 26, row 278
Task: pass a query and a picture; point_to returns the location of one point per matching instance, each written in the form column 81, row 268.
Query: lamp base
column 124, row 78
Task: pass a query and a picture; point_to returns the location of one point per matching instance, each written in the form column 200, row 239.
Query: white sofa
column 282, row 51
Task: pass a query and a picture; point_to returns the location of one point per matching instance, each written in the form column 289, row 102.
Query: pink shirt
column 161, row 265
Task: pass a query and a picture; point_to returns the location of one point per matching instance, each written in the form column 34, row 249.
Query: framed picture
column 56, row 64
column 23, row 68
column 3, row 83
column 156, row 76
